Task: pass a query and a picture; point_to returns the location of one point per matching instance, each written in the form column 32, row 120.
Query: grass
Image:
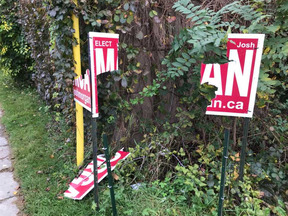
column 45, row 163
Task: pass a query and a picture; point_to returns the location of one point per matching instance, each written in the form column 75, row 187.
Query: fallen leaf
column 104, row 21
column 236, row 175
column 171, row 19
column 199, row 150
column 271, row 128
column 116, row 177
column 52, row 156
column 261, row 194
column 140, row 35
column 236, row 157
column 156, row 19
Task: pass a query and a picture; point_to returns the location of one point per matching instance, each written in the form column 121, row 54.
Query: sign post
column 237, row 86
column 79, row 108
column 95, row 167
column 110, row 178
column 243, row 148
column 103, row 57
column 223, row 173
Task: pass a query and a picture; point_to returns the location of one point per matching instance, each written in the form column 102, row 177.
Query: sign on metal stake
column 236, row 83
column 103, row 57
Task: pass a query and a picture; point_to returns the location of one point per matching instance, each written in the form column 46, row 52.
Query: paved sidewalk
column 8, row 185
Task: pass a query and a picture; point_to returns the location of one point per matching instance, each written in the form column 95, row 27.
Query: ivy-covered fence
column 146, row 30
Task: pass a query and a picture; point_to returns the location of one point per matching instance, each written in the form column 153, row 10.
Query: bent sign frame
column 103, row 57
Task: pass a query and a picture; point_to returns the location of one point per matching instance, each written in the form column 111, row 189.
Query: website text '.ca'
column 229, row 105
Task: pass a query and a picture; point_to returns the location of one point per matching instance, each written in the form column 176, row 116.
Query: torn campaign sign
column 82, row 185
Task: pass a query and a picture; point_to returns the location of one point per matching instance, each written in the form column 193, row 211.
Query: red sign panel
column 237, row 80
column 82, row 185
column 82, row 90
column 103, row 50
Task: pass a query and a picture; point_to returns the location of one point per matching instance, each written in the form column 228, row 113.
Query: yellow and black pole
column 79, row 108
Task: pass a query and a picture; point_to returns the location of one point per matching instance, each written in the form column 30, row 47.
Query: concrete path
column 8, row 185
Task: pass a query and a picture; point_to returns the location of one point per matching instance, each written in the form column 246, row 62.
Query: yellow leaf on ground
column 199, row 150
column 235, row 175
column 236, row 157
column 116, row 177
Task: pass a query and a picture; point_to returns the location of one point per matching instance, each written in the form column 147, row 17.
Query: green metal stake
column 94, row 143
column 95, row 169
column 223, row 173
column 243, row 150
column 110, row 179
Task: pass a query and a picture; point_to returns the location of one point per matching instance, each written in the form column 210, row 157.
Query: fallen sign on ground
column 82, row 185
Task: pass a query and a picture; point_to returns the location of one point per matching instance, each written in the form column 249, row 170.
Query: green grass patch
column 44, row 160
column 45, row 163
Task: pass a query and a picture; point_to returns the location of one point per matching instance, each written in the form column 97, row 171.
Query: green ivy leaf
column 140, row 35
column 116, row 18
column 153, row 13
column 126, row 6
column 130, row 19
column 124, row 82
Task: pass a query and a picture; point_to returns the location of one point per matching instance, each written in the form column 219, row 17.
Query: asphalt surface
column 8, row 186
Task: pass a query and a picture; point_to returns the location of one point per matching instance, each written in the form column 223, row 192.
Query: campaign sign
column 82, row 90
column 82, row 185
column 103, row 52
column 237, row 80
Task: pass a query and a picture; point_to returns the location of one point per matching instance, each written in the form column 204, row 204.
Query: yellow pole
column 79, row 108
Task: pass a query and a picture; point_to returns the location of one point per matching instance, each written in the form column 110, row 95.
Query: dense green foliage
column 14, row 50
column 155, row 103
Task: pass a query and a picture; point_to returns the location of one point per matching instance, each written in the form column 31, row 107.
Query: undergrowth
column 45, row 163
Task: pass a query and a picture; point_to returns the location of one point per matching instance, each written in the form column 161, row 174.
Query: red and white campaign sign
column 82, row 185
column 237, row 80
column 82, row 90
column 103, row 51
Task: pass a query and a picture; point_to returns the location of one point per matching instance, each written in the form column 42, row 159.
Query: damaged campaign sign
column 82, row 90
column 103, row 55
column 82, row 185
column 236, row 80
